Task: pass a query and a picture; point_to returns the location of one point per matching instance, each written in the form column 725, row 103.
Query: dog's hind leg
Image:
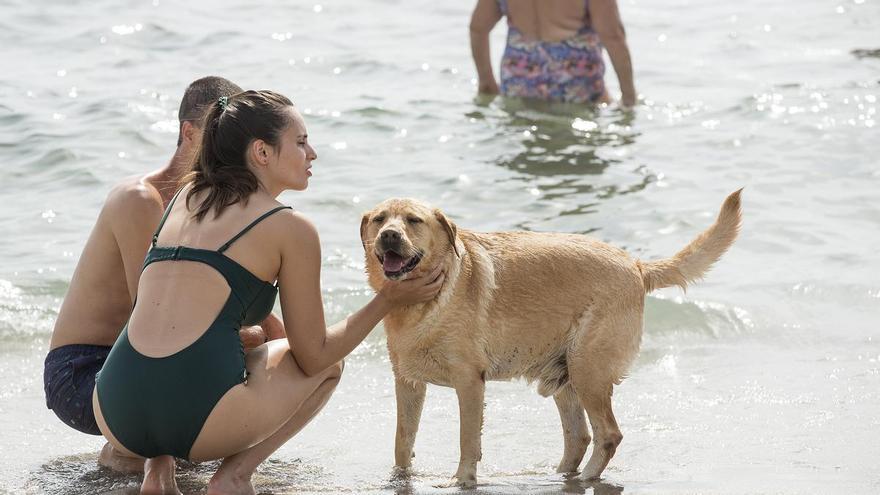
column 607, row 434
column 574, row 429
column 598, row 361
column 410, row 399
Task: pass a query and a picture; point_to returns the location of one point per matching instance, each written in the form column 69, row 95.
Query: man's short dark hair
column 199, row 95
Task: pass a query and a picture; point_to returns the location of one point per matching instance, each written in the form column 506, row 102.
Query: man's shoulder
column 134, row 196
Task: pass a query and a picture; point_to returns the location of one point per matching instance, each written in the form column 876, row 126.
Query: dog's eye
column 414, row 220
column 378, row 219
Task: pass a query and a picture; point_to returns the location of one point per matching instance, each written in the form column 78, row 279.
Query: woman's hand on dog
column 414, row 290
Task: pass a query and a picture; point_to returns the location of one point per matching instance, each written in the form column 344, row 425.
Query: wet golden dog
column 561, row 310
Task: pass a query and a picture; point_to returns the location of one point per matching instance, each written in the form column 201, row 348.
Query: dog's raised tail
column 692, row 262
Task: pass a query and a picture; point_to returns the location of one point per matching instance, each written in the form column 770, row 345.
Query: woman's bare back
column 178, row 300
column 547, row 20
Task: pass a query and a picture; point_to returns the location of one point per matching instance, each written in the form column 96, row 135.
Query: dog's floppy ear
column 450, row 228
column 364, row 221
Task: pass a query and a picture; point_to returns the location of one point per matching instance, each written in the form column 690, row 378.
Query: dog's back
column 547, row 288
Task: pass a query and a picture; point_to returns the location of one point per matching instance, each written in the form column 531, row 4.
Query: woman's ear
column 260, row 151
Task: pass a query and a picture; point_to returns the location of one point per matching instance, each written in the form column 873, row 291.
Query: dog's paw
column 401, row 472
column 591, row 476
column 459, row 482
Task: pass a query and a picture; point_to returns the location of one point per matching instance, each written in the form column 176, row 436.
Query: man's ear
column 189, row 131
column 451, row 230
column 364, row 221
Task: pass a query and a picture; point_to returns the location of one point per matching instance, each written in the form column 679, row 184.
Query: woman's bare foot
column 226, row 482
column 113, row 459
column 159, row 477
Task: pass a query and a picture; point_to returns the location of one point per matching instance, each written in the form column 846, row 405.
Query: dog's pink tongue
column 393, row 262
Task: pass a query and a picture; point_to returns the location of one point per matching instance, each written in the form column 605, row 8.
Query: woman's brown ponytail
column 230, row 125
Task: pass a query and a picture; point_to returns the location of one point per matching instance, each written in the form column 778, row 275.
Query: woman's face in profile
column 294, row 155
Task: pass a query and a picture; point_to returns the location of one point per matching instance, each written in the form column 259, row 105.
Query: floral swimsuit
column 571, row 70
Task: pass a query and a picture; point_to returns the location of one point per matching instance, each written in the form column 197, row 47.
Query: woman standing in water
column 554, row 49
column 177, row 383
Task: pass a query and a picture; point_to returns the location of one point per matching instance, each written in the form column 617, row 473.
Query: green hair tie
column 223, row 101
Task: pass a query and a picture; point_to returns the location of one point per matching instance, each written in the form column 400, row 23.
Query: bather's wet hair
column 230, row 126
column 199, row 96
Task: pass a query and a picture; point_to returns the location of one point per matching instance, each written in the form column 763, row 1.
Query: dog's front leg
column 470, row 393
column 410, row 399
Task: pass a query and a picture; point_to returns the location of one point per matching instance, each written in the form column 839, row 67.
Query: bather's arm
column 607, row 23
column 486, row 15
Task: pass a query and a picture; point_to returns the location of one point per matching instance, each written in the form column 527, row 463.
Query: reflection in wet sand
column 81, row 475
column 501, row 485
column 866, row 53
column 577, row 485
column 504, row 485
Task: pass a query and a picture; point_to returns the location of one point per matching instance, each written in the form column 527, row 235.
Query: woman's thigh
column 248, row 414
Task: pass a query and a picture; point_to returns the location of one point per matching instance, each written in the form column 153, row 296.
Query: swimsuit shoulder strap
column 165, row 216
column 244, row 231
column 502, row 4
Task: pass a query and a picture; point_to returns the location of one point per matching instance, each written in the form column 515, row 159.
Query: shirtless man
column 104, row 284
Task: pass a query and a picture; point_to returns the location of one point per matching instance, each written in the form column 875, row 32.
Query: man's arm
column 269, row 329
column 135, row 213
column 273, row 327
column 252, row 337
column 606, row 21
column 486, row 15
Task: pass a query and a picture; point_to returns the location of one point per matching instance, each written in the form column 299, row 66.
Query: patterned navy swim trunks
column 69, row 380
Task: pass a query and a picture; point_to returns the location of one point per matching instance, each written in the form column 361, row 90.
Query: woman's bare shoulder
column 295, row 227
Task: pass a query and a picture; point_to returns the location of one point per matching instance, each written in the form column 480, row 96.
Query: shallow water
column 764, row 378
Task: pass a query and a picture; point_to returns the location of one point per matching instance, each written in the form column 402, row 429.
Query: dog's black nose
column 390, row 236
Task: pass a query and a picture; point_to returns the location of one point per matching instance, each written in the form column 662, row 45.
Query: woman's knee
column 332, row 375
column 336, row 370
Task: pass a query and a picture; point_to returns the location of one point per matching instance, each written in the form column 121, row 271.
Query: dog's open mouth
column 395, row 265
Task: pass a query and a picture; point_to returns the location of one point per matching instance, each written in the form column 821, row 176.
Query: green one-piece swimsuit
column 157, row 406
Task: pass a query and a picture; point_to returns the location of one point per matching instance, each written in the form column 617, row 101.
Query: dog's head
column 405, row 235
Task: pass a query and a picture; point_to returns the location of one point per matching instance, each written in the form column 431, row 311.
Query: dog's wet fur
column 562, row 310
